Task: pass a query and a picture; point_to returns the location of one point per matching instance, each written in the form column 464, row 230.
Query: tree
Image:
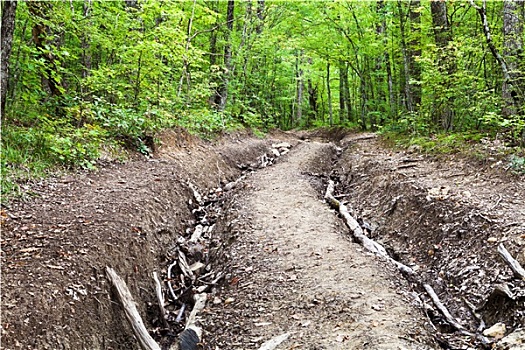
column 445, row 61
column 51, row 79
column 8, row 27
column 223, row 91
column 513, row 89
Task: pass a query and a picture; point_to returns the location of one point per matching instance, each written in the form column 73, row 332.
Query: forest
column 82, row 78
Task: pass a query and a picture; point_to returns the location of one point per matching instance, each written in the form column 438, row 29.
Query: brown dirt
column 291, row 266
column 56, row 245
column 296, row 272
column 443, row 216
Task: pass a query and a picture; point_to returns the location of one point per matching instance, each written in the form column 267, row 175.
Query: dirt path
column 298, row 272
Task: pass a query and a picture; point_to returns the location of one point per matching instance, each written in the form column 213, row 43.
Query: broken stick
column 146, row 342
column 160, row 299
column 274, row 342
column 442, row 308
column 358, row 232
column 513, row 263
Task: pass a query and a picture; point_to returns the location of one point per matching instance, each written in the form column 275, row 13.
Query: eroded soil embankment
column 56, row 245
column 294, row 272
column 445, row 218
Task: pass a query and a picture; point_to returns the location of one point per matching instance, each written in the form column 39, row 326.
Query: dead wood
column 196, row 194
column 169, row 281
column 160, row 299
column 442, row 308
column 514, row 265
column 274, row 342
column 358, row 232
column 146, row 342
column 185, row 267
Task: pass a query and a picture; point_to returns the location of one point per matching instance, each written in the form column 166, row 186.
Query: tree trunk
column 381, row 60
column 8, row 28
column 405, row 73
column 300, row 87
column 312, row 100
column 40, row 11
column 513, row 89
column 185, row 59
column 227, row 56
column 342, row 95
column 446, row 63
column 260, row 16
column 329, row 91
column 488, row 37
column 347, row 95
column 214, row 84
column 414, row 51
column 85, row 43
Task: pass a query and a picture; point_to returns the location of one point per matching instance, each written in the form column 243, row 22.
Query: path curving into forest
column 299, row 274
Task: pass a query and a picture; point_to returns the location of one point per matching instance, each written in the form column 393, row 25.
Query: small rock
column 496, row 331
column 229, row 301
column 492, row 240
column 513, row 341
column 281, row 145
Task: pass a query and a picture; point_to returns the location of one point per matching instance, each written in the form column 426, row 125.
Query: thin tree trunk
column 260, row 16
column 40, row 11
column 482, row 11
column 513, row 88
column 185, row 69
column 300, row 87
column 342, row 101
column 8, row 28
column 381, row 60
column 329, row 91
column 227, row 56
column 214, row 84
column 85, row 43
column 405, row 78
column 348, row 99
column 312, row 100
column 414, row 51
column 446, row 63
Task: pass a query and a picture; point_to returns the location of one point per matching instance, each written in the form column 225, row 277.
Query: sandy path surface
column 300, row 274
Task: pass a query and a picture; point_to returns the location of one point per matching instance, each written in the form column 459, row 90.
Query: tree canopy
column 80, row 73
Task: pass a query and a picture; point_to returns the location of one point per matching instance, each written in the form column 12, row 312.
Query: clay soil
column 288, row 264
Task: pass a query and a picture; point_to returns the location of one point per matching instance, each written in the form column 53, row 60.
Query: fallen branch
column 358, row 232
column 513, row 263
column 442, row 308
column 196, row 194
column 169, row 281
column 191, row 336
column 146, row 342
column 274, row 342
column 160, row 299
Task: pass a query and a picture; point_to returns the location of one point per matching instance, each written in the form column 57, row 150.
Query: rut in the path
column 307, row 278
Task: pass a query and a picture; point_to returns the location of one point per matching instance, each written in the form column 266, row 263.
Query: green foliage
column 38, row 151
column 124, row 73
column 517, row 164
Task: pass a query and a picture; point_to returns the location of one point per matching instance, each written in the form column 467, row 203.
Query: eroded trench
column 450, row 246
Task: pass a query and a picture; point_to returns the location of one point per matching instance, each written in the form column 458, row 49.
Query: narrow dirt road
column 298, row 273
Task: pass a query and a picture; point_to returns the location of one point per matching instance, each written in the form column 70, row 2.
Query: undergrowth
column 479, row 146
column 37, row 146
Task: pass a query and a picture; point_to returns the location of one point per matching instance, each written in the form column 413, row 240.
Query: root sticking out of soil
column 447, row 228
